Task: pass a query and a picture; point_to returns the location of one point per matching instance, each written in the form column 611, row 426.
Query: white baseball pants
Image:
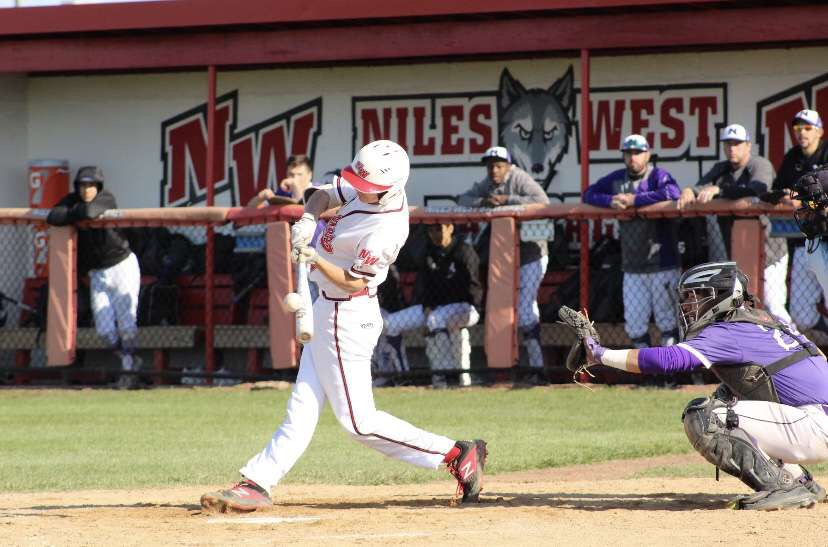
column 792, row 434
column 336, row 367
column 531, row 275
column 114, row 300
column 646, row 294
column 809, row 283
column 775, row 289
column 449, row 317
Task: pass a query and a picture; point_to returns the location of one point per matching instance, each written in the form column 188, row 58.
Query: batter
column 349, row 261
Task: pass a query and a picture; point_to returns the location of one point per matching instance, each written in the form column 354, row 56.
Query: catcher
column 769, row 414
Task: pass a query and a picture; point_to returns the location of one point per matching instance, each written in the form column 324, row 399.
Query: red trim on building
column 548, row 33
column 188, row 14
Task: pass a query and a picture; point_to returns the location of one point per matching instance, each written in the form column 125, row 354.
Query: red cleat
column 244, row 497
column 467, row 468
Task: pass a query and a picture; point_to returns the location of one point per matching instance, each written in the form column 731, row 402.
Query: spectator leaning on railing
column 508, row 184
column 809, row 271
column 744, row 174
column 649, row 252
column 114, row 276
column 298, row 179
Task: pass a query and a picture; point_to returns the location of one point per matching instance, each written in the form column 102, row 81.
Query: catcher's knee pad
column 730, row 448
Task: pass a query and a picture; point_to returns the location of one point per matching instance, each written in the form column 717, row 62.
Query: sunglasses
column 802, row 127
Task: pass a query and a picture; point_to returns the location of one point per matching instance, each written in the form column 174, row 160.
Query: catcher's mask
column 810, row 189
column 708, row 291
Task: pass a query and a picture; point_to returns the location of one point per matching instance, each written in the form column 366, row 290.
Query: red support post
column 209, row 281
column 584, row 226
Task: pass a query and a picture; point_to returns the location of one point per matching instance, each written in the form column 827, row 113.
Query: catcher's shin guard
column 729, row 448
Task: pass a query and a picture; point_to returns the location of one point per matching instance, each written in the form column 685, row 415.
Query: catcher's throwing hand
column 587, row 349
column 303, row 255
column 301, row 233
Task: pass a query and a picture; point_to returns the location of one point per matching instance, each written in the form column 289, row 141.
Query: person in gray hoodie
column 508, row 184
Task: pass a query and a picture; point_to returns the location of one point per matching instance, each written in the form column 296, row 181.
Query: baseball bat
column 304, row 315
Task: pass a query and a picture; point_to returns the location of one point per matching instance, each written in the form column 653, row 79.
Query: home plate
column 261, row 520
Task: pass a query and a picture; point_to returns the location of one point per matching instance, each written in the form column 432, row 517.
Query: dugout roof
column 185, row 34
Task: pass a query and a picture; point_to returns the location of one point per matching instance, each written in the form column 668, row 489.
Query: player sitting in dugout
column 769, row 414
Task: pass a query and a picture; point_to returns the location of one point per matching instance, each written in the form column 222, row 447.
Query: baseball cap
column 734, row 132
column 498, row 153
column 635, row 142
column 89, row 173
column 811, row 117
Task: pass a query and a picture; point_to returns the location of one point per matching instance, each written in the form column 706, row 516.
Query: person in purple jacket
column 769, row 414
column 649, row 247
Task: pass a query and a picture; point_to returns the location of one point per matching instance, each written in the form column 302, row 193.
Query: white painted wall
column 13, row 141
column 115, row 121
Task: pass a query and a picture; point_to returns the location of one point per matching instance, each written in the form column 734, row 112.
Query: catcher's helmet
column 379, row 166
column 812, row 190
column 708, row 291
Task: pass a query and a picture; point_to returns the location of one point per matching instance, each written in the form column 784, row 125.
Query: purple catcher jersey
column 802, row 383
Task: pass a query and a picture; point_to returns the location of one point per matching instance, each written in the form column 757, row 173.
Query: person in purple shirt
column 649, row 247
column 769, row 414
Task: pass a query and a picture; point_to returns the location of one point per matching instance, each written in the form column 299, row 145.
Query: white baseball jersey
column 362, row 239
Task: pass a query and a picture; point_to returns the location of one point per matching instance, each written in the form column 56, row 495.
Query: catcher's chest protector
column 751, row 381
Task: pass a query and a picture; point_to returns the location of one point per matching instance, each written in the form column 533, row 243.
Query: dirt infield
column 582, row 505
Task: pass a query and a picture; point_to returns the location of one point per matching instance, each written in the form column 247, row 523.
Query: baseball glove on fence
column 576, row 361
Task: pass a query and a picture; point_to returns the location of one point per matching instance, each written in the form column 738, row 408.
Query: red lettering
column 705, row 107
column 676, row 125
column 402, row 126
column 371, row 129
column 243, row 158
column 422, row 146
column 451, row 144
column 640, row 122
column 301, row 129
column 187, row 154
column 478, row 115
column 777, row 122
column 607, row 124
column 821, row 101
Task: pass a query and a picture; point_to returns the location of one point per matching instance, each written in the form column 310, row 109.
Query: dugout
column 134, row 73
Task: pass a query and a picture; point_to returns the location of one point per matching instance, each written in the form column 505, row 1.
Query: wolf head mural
column 535, row 124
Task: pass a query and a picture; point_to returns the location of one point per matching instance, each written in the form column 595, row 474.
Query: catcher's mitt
column 579, row 322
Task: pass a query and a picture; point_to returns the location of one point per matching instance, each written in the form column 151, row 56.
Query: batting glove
column 304, row 255
column 301, row 233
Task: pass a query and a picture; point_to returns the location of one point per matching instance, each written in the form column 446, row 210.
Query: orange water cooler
column 48, row 183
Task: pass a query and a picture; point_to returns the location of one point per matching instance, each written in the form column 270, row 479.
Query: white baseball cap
column 734, row 132
column 635, row 142
column 811, row 117
column 498, row 153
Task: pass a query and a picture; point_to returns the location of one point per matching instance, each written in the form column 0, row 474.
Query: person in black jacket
column 809, row 271
column 447, row 297
column 114, row 276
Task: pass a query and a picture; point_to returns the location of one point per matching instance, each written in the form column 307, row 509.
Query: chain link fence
column 23, row 296
column 433, row 303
